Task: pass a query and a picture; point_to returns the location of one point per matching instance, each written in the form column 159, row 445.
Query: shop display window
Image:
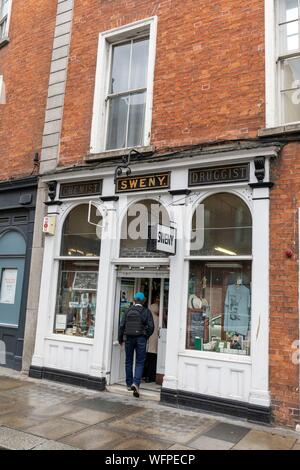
column 219, row 289
column 78, row 274
column 227, row 229
column 77, row 298
column 219, row 307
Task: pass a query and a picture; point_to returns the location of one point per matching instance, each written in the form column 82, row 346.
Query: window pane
column 76, row 298
column 80, row 238
column 291, row 73
column 219, row 307
column 227, row 227
column 289, row 10
column 291, row 107
column 289, row 37
column 139, row 66
column 136, row 120
column 3, row 29
column 120, row 68
column 136, row 227
column 3, row 8
column 117, row 122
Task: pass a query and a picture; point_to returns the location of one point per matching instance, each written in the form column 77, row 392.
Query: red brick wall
column 284, row 276
column 25, row 64
column 209, row 74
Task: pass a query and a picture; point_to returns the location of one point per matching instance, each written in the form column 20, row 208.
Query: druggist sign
column 166, row 239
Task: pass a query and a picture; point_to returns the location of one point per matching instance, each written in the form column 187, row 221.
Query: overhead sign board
column 143, row 182
column 219, row 175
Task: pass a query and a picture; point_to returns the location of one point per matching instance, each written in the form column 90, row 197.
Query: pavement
column 42, row 415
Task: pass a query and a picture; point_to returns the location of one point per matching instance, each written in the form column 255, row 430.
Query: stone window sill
column 280, row 130
column 93, row 157
column 4, row 42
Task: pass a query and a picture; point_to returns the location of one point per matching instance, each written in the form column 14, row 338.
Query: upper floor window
column 288, row 56
column 4, row 16
column 124, row 87
column 127, row 94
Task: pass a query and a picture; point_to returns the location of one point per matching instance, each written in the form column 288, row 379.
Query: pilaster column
column 259, row 390
column 105, row 295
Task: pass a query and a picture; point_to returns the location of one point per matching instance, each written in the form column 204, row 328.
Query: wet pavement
column 41, row 415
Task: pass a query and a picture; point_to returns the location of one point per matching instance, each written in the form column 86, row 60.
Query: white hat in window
column 195, row 302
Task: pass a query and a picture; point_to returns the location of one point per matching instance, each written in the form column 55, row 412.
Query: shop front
column 17, row 209
column 195, row 240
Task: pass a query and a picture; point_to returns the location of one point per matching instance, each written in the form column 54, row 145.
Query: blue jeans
column 137, row 344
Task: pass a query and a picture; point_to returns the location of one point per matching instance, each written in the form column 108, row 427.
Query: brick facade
column 284, row 281
column 25, row 64
column 209, row 86
column 209, row 71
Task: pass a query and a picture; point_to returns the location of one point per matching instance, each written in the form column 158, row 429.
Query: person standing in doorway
column 151, row 358
column 136, row 327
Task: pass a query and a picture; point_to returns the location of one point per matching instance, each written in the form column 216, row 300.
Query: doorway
column 156, row 290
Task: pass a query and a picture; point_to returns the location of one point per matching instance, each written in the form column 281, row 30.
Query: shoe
column 129, row 388
column 135, row 390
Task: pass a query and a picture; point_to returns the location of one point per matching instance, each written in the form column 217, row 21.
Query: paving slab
column 261, row 440
column 165, row 425
column 48, row 412
column 107, row 406
column 208, row 443
column 18, row 440
column 95, row 438
column 8, row 406
column 18, row 421
column 56, row 428
column 87, row 416
column 180, row 447
column 7, row 383
column 54, row 445
column 297, row 445
column 227, row 432
column 136, row 443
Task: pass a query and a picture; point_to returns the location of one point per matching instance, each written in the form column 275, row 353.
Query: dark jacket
column 147, row 320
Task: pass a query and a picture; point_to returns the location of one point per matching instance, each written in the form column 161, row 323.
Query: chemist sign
column 166, row 239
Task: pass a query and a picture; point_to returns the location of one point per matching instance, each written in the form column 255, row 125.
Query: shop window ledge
column 109, row 154
column 279, row 130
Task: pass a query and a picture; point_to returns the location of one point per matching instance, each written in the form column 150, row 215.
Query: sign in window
column 8, row 286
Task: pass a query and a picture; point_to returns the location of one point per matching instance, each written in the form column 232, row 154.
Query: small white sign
column 166, row 239
column 49, row 224
column 8, row 286
column 61, row 322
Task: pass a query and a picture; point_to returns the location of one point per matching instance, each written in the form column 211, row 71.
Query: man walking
column 136, row 326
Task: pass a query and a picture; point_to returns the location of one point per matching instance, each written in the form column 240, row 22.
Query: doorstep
column 144, row 394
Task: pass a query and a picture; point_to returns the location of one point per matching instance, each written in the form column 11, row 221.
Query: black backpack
column 135, row 321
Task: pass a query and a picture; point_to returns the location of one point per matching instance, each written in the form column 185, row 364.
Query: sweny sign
column 166, row 239
column 143, row 182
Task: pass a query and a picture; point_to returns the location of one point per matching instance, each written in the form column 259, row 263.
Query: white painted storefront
column 234, row 378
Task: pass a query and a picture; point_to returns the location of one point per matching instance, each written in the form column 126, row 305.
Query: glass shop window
column 139, row 226
column 78, row 273
column 219, row 290
column 227, row 229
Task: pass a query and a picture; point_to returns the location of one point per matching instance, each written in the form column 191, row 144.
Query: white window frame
column 100, row 109
column 273, row 70
column 8, row 16
column 2, row 90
